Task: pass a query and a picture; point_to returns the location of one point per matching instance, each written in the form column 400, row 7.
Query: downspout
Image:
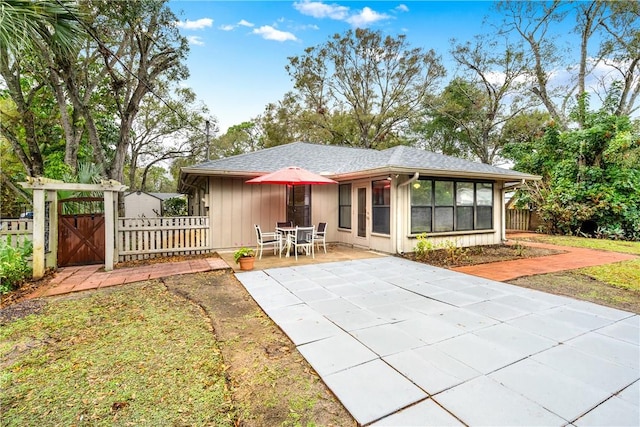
column 399, row 221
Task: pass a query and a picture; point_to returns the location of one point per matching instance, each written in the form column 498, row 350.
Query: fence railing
column 143, row 238
column 16, row 231
column 518, row 219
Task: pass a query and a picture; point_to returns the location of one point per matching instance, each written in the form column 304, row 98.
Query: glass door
column 299, row 205
column 362, row 217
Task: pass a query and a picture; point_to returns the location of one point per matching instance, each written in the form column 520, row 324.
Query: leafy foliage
column 14, row 268
column 243, row 252
column 175, row 206
column 590, row 179
column 377, row 81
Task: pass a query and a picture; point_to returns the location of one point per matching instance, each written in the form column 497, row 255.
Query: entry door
column 362, row 217
column 299, row 205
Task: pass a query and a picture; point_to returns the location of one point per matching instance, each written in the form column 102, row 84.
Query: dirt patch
column 163, row 259
column 581, row 286
column 271, row 382
column 26, row 288
column 21, row 309
column 458, row 257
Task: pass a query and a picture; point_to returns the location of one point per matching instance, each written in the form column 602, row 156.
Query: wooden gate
column 81, row 238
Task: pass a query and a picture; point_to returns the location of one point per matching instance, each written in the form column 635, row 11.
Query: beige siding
column 324, row 208
column 234, row 207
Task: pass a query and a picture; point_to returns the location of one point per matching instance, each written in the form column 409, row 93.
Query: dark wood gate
column 81, row 239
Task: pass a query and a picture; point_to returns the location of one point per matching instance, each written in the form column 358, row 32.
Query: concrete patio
column 408, row 344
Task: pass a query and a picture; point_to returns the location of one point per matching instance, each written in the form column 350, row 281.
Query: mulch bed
column 481, row 255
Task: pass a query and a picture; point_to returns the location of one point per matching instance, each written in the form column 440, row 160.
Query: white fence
column 143, row 238
column 16, row 231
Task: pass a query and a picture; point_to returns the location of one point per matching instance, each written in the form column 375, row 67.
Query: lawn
column 139, row 355
column 615, row 285
column 583, row 242
column 186, row 350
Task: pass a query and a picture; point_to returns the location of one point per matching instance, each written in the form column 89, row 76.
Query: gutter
column 399, row 221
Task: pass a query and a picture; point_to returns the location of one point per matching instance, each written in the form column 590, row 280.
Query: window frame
column 456, row 209
column 348, row 217
column 376, row 207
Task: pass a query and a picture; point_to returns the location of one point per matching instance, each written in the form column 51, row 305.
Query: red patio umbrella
column 292, row 175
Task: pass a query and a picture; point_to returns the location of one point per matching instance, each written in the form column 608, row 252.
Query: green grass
column 601, row 244
column 136, row 356
column 623, row 275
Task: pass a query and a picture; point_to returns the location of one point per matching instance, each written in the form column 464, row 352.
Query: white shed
column 142, row 204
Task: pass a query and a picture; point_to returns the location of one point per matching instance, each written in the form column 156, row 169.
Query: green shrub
column 454, row 253
column 14, row 268
column 424, row 247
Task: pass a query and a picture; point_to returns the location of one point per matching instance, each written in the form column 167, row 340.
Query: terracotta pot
column 246, row 262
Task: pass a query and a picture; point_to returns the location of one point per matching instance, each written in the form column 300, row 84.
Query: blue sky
column 239, row 49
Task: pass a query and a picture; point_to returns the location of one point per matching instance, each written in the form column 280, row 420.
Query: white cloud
column 267, row 32
column 241, row 23
column 321, row 10
column 366, row 17
column 198, row 24
column 402, row 8
column 195, row 40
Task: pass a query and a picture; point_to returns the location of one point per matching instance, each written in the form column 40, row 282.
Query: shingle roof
column 334, row 161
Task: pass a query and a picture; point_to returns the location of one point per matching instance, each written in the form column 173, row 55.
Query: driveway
column 402, row 343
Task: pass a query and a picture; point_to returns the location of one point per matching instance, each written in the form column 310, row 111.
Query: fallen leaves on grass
column 136, row 353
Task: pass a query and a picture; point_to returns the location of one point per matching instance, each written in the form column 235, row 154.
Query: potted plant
column 245, row 257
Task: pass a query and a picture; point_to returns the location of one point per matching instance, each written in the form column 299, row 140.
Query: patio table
column 288, row 232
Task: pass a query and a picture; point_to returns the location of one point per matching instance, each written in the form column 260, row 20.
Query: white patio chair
column 267, row 239
column 320, row 236
column 303, row 238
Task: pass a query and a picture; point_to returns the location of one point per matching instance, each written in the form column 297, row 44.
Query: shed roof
column 341, row 163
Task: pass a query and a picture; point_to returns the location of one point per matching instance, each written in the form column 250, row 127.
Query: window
column 441, row 206
column 344, row 206
column 381, row 202
column 464, row 205
column 421, row 207
column 484, row 202
column 443, row 220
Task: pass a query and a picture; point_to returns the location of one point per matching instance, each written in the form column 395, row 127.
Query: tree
column 378, row 81
column 26, row 23
column 238, row 139
column 467, row 118
column 28, row 29
column 139, row 45
column 163, row 131
column 590, row 175
column 98, row 85
column 615, row 23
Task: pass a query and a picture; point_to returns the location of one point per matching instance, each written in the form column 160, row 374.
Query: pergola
column 46, row 189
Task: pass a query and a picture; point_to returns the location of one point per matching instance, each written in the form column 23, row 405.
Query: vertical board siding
column 16, row 231
column 518, row 219
column 235, row 207
column 143, row 238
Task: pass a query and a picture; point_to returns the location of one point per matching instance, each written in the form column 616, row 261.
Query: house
column 141, row 204
column 382, row 201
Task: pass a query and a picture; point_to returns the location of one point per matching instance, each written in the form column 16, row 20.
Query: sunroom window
column 381, row 201
column 442, row 205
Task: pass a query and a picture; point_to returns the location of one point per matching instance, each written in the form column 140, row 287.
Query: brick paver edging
column 571, row 259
